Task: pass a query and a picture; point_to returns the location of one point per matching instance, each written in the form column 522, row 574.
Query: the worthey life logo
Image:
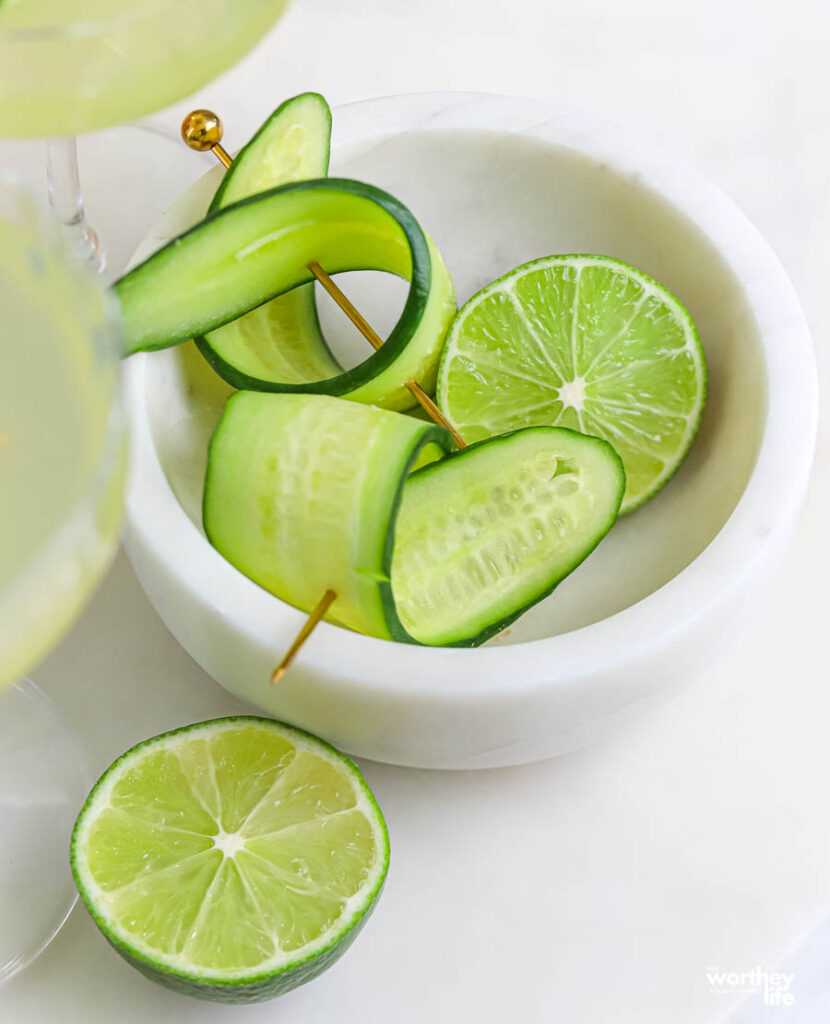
column 774, row 986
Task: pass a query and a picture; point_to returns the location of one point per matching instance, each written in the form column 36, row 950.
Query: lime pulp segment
column 232, row 859
column 585, row 342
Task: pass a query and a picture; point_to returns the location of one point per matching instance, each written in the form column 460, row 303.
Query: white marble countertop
column 601, row 887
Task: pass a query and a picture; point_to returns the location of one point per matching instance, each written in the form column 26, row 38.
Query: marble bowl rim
column 768, row 505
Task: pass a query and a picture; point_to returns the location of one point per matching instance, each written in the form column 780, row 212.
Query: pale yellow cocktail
column 61, row 445
column 69, row 67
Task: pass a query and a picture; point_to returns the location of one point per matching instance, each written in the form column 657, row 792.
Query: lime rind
column 533, row 360
column 285, row 970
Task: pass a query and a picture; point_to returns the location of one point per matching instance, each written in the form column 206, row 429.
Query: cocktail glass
column 67, row 68
column 61, row 470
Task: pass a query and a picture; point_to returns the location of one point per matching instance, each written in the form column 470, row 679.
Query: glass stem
column 65, row 198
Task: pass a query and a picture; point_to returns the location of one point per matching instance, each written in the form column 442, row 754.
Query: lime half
column 584, row 342
column 231, row 860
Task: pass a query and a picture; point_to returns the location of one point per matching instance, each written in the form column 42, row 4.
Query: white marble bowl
column 499, row 181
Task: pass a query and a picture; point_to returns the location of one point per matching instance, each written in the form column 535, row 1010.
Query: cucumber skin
column 446, row 463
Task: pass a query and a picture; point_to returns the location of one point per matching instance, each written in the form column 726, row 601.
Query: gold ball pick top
column 202, row 130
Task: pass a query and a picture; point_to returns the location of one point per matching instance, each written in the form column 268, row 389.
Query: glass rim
column 83, row 28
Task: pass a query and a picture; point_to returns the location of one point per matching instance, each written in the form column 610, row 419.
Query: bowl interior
column 492, row 200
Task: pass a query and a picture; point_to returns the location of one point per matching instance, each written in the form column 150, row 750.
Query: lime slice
column 584, row 342
column 231, row 860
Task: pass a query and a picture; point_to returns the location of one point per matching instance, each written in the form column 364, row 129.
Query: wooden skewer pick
column 202, row 130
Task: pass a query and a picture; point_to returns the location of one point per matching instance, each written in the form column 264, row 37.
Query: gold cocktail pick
column 202, row 130
column 375, row 340
column 317, row 615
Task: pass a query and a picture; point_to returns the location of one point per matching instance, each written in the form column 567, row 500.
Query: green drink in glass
column 61, row 469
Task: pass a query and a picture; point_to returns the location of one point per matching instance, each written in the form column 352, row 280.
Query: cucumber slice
column 301, row 495
column 293, row 144
column 494, row 528
column 246, row 254
column 280, row 340
column 305, row 494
